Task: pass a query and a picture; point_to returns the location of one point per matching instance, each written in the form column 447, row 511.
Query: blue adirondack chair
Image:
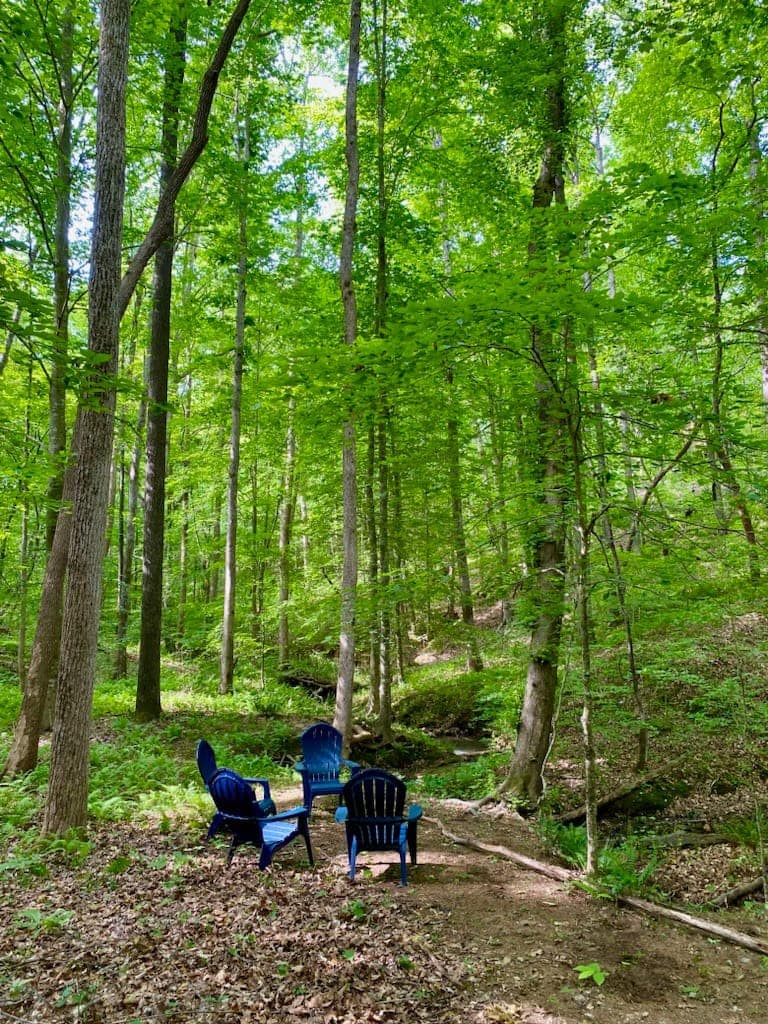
column 321, row 763
column 206, row 763
column 374, row 817
column 242, row 815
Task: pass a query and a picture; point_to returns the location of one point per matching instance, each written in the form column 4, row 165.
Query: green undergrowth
column 448, row 701
column 469, row 780
column 148, row 771
column 625, row 866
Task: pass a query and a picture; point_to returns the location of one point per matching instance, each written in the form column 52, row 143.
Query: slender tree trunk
column 343, row 713
column 547, row 584
column 609, row 535
column 474, row 661
column 184, row 507
column 756, row 172
column 226, row 676
column 57, row 420
column 722, row 447
column 24, row 560
column 287, row 508
column 400, row 606
column 385, row 646
column 373, row 574
column 66, row 804
column 125, row 582
column 214, row 562
column 148, row 705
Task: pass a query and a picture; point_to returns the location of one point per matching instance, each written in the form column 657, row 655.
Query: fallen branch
column 688, row 839
column 631, row 902
column 550, row 870
column 579, row 813
column 735, row 938
column 738, row 893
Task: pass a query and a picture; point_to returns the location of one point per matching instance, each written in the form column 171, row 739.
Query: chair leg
column 352, row 858
column 412, row 844
column 231, row 851
column 403, row 871
column 304, row 829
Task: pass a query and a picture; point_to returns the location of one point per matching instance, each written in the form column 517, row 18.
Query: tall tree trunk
column 385, row 578
column 583, row 537
column 57, row 421
column 374, row 664
column 720, row 437
column 128, row 533
column 214, row 561
column 66, row 803
column 474, row 661
column 184, row 504
column 287, row 508
column 606, row 519
column 45, row 649
column 400, row 607
column 227, row 665
column 148, row 705
column 756, row 172
column 343, row 713
column 24, row 560
column 547, row 583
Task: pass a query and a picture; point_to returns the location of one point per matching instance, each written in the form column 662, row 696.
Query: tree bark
column 57, row 391
column 67, row 799
column 343, row 713
column 148, row 703
column 227, row 664
column 287, row 508
column 45, row 651
column 525, row 778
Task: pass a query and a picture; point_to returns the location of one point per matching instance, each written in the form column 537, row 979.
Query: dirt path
column 526, row 933
column 152, row 927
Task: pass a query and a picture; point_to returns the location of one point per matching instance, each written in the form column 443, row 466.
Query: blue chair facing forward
column 374, row 817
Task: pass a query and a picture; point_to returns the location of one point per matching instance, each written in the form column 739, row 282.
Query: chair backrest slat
column 206, row 761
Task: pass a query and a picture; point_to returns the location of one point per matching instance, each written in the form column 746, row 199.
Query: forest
column 401, row 365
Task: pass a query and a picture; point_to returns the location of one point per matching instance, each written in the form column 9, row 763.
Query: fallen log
column 550, row 870
column 630, row 902
column 738, row 893
column 687, row 839
column 579, row 814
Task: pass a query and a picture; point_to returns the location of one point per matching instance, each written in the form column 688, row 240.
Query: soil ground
column 152, row 927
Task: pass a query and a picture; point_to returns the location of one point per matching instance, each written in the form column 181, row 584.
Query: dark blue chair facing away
column 374, row 817
column 242, row 815
column 321, row 763
column 206, row 763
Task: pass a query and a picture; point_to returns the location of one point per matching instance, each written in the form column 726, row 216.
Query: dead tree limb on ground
column 631, row 902
column 578, row 814
column 738, row 893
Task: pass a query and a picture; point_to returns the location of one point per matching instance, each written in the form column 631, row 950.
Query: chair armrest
column 352, row 765
column 264, row 783
column 295, row 812
column 414, row 812
column 341, row 814
column 299, row 767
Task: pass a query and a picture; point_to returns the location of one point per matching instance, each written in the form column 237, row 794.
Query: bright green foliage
column 591, row 972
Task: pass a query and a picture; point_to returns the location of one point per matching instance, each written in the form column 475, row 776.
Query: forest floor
column 152, row 927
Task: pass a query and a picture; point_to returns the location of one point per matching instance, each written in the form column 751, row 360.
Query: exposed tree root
column 631, row 902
